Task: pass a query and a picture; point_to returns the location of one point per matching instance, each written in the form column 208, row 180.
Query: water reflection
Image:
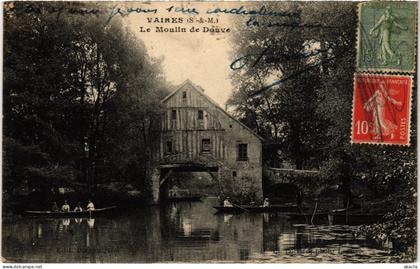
column 66, row 222
column 91, row 223
column 39, row 234
column 182, row 232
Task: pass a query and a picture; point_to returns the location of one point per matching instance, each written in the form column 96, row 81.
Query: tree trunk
column 296, row 144
column 346, row 185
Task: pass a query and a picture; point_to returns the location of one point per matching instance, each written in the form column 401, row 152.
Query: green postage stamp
column 386, row 36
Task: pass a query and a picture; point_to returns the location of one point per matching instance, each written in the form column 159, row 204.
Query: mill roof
column 200, row 91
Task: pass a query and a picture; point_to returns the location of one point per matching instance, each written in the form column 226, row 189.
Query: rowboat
column 257, row 209
column 84, row 213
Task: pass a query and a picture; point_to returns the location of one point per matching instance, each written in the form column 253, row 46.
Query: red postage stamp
column 381, row 109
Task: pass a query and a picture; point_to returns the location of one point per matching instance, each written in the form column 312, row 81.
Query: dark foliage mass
column 307, row 117
column 81, row 99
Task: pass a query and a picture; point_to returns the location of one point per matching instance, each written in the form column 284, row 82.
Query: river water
column 183, row 232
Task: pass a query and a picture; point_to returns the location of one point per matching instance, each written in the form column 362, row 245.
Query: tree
column 69, row 79
column 296, row 59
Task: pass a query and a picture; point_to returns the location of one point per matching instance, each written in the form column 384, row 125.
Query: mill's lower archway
column 168, row 171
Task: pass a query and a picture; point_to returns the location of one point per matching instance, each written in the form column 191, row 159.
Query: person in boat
column 78, row 208
column 55, row 207
column 220, row 200
column 65, row 207
column 227, row 203
column 266, row 202
column 90, row 206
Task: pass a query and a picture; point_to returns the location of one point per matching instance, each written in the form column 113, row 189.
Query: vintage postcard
column 209, row 132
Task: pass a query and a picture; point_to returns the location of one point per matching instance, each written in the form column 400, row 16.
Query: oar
column 313, row 215
column 347, row 211
column 240, row 207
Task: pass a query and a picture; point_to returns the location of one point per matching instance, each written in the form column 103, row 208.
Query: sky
column 204, row 58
